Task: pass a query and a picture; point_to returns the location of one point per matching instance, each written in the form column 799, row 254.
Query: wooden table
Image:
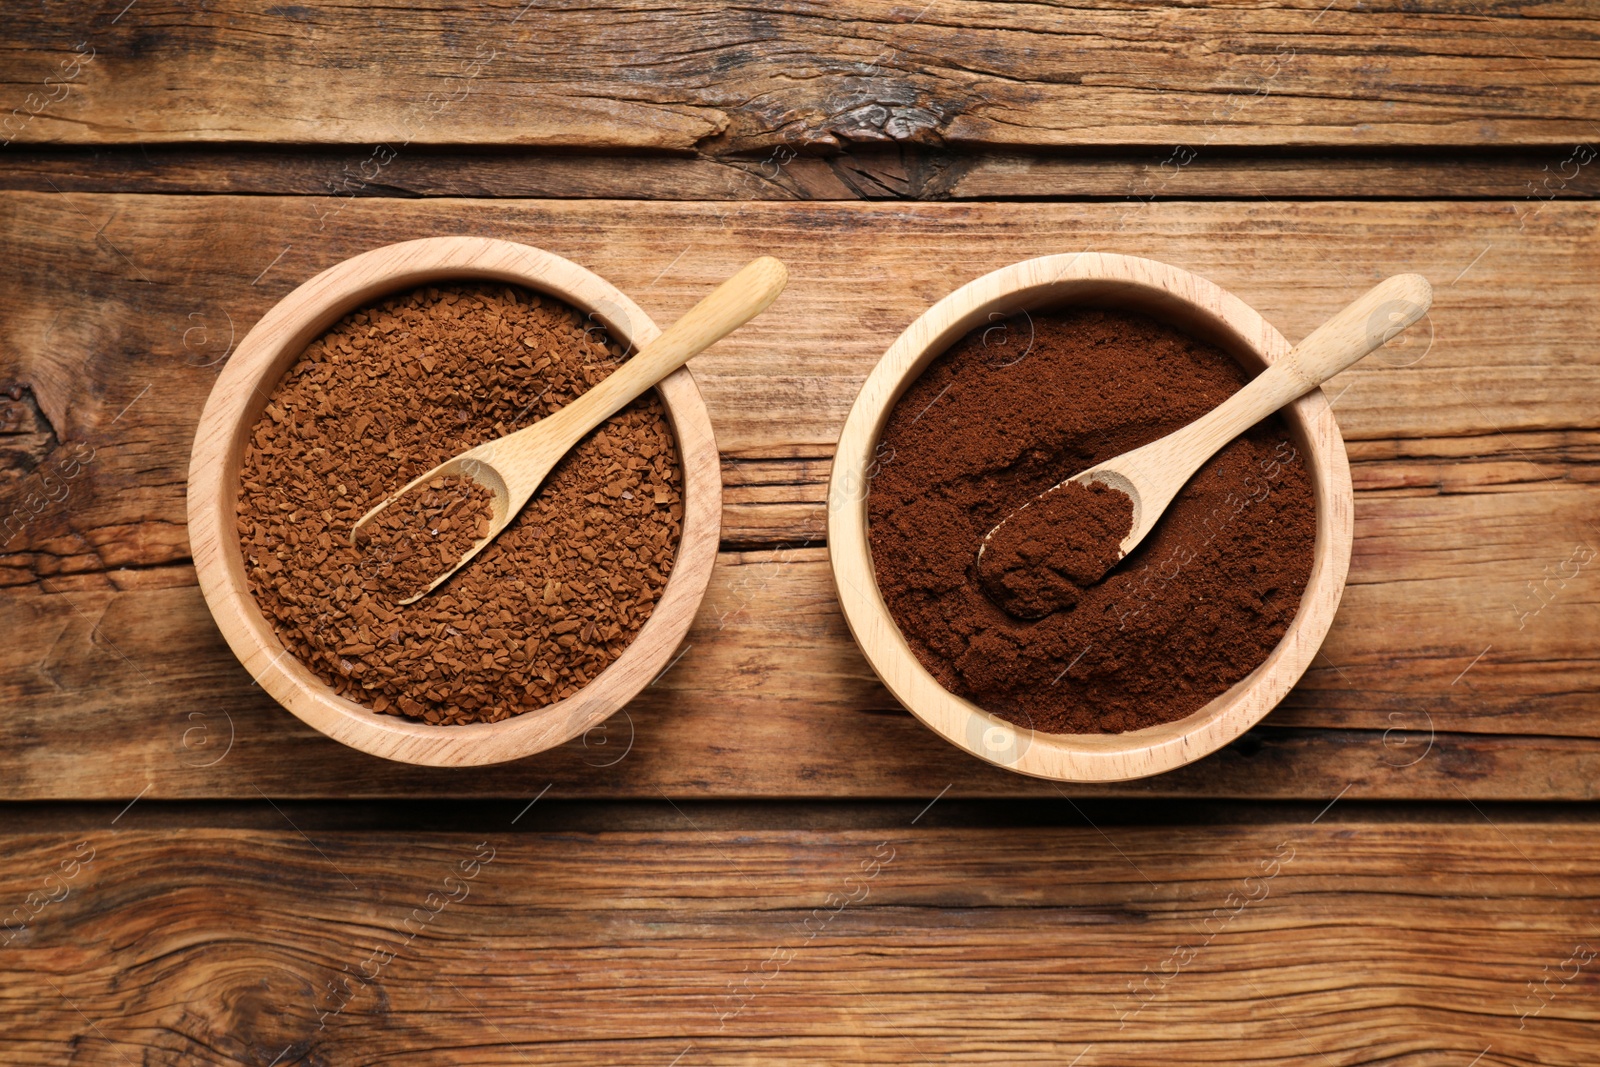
column 764, row 860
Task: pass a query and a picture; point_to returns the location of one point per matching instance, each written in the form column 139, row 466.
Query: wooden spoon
column 512, row 467
column 1152, row 475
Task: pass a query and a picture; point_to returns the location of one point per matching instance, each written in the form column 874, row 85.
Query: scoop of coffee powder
column 420, row 536
column 397, row 388
column 1049, row 550
column 1005, row 414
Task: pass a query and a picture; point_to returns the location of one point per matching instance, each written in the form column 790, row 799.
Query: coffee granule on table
column 1007, row 413
column 1042, row 557
column 424, row 533
column 392, row 391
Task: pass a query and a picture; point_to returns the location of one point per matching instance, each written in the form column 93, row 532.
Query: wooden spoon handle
column 1367, row 323
column 728, row 307
column 1153, row 473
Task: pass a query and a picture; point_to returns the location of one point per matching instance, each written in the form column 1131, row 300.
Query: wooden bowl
column 1095, row 280
column 236, row 402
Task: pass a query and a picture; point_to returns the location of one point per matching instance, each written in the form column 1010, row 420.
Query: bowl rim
column 242, row 392
column 1102, row 280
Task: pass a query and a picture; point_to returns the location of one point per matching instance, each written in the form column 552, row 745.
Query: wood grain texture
column 173, row 277
column 1175, row 173
column 710, row 77
column 1463, row 621
column 109, row 693
column 1461, row 666
column 860, row 172
column 1335, row 942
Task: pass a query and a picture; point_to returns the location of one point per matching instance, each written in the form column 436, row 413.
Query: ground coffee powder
column 1011, row 410
column 392, row 391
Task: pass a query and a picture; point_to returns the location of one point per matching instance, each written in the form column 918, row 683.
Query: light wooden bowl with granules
column 1093, row 280
column 237, row 402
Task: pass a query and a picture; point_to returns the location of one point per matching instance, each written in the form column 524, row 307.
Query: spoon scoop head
column 1041, row 557
column 420, row 536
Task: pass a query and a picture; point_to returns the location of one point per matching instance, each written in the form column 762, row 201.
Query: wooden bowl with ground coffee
column 1016, row 381
column 368, row 375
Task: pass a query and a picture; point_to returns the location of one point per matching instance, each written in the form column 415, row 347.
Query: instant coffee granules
column 420, row 536
column 390, row 392
column 1011, row 410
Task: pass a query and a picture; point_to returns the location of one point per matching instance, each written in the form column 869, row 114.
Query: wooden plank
column 1474, row 473
column 1191, row 172
column 1515, row 308
column 862, row 172
column 112, row 693
column 1335, row 942
column 174, row 277
column 1446, row 72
